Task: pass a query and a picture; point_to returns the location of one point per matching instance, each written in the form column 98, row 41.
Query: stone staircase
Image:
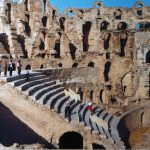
column 51, row 94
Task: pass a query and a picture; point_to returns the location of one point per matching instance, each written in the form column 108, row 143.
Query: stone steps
column 52, row 95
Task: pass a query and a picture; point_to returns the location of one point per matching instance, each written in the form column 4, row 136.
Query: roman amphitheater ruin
column 100, row 54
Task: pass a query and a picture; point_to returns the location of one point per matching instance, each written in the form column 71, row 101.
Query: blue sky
column 62, row 4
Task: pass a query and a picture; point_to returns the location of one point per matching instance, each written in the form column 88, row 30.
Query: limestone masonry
column 100, row 54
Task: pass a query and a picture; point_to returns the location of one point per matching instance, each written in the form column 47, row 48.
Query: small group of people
column 10, row 67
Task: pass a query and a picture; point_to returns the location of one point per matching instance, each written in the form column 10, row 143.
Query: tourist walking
column 10, row 68
column 1, row 67
column 5, row 68
column 19, row 65
column 90, row 107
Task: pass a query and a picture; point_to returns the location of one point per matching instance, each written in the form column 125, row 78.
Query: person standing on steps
column 10, row 68
column 68, row 110
column 19, row 65
column 90, row 108
column 5, row 68
column 28, row 67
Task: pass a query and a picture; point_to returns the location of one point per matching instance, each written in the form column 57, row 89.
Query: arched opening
column 86, row 30
column 60, row 65
column 44, row 21
column 98, row 5
column 123, row 42
column 122, row 26
column 97, row 146
column 26, row 5
column 107, row 40
column 57, row 48
column 75, row 65
column 62, row 21
column 71, row 140
column 44, row 5
column 53, row 13
column 106, row 70
column 8, row 11
column 42, row 45
column 139, row 11
column 101, row 95
column 91, row 64
column 146, row 25
column 148, row 57
column 117, row 14
column 72, row 51
column 108, row 55
column 104, row 25
column 70, row 14
column 26, row 24
column 142, row 118
column 91, row 95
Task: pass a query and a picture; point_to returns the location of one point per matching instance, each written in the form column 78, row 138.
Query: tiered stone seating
column 52, row 95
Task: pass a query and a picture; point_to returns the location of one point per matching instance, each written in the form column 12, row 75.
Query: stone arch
column 106, row 70
column 71, row 140
column 98, row 5
column 70, row 13
column 91, row 64
column 26, row 5
column 86, row 30
column 8, row 11
column 53, row 13
column 107, row 38
column 91, row 94
column 97, row 146
column 60, row 65
column 44, row 21
column 62, row 21
column 118, row 14
column 123, row 42
column 108, row 55
column 72, row 51
column 122, row 26
column 26, row 24
column 42, row 40
column 148, row 57
column 142, row 117
column 104, row 25
column 139, row 7
column 75, row 65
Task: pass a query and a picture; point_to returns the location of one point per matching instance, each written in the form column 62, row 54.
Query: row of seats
column 51, row 93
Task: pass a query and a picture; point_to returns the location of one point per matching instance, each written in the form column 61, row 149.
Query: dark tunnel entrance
column 71, row 140
column 86, row 31
column 97, row 146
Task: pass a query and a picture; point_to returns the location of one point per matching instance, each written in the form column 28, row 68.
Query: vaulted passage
column 8, row 13
column 62, row 21
column 148, row 57
column 123, row 42
column 71, row 140
column 57, row 48
column 122, row 26
column 72, row 50
column 44, row 21
column 107, row 40
column 104, row 25
column 106, row 70
column 86, row 30
column 91, row 64
column 75, row 65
